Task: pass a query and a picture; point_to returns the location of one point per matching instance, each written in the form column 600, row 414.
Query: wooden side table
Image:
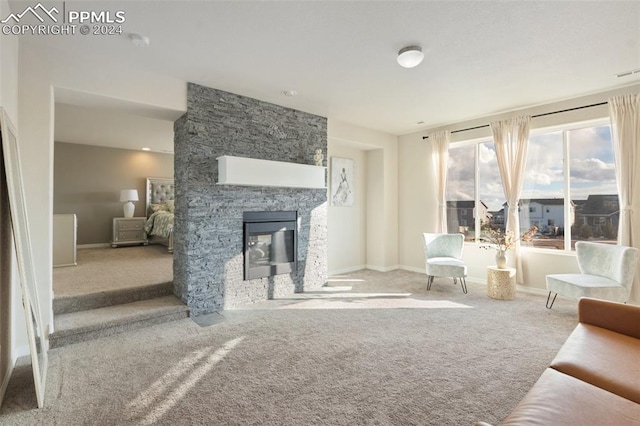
column 501, row 283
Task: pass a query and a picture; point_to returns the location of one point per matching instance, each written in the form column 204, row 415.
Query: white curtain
column 440, row 157
column 625, row 121
column 511, row 139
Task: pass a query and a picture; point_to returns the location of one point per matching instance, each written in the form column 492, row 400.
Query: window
column 544, row 185
column 491, row 200
column 593, row 183
column 578, row 196
column 460, row 190
column 588, row 177
column 463, row 212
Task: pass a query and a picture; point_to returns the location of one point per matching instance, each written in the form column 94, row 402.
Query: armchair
column 443, row 258
column 606, row 272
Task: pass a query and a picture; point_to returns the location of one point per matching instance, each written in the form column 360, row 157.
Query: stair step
column 84, row 302
column 75, row 327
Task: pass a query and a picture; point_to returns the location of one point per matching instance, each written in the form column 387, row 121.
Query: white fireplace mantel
column 253, row 172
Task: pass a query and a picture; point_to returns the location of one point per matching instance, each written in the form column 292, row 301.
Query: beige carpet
column 426, row 358
column 103, row 269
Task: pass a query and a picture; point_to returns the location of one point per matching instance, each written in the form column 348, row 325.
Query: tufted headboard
column 159, row 190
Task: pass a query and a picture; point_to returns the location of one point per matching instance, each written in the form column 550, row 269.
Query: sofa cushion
column 557, row 398
column 603, row 358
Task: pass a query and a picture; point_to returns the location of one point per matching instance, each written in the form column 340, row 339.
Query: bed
column 159, row 211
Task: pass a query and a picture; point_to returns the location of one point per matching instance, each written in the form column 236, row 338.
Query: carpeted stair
column 91, row 316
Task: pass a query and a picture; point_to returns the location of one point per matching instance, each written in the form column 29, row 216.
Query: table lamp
column 127, row 196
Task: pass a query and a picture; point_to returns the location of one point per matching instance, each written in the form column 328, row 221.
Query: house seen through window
column 569, row 190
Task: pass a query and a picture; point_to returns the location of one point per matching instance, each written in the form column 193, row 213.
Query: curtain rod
column 533, row 116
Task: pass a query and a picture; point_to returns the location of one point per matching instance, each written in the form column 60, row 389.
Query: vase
column 501, row 259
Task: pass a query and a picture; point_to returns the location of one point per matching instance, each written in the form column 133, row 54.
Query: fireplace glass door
column 270, row 245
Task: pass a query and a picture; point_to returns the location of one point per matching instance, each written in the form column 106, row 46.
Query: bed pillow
column 170, row 205
column 158, row 207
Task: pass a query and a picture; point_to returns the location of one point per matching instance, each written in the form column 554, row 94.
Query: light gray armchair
column 607, row 273
column 443, row 257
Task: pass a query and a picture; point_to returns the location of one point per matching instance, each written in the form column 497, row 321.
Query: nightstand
column 128, row 230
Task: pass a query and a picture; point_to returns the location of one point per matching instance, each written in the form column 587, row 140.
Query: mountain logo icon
column 38, row 11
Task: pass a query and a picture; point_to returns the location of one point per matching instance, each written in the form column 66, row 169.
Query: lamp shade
column 128, row 195
column 410, row 56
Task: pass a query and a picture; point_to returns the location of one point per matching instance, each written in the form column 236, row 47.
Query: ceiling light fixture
column 139, row 40
column 146, row 149
column 410, row 56
column 290, row 93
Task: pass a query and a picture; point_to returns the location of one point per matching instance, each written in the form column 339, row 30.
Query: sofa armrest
column 618, row 317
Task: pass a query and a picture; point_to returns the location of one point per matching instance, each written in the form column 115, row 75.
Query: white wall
column 381, row 192
column 41, row 70
column 375, row 209
column 347, row 231
column 417, row 195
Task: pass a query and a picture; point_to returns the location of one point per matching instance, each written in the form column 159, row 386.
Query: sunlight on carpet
column 379, row 303
column 179, row 380
column 337, row 288
column 307, row 296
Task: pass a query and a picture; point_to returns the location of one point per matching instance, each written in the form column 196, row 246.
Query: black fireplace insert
column 270, row 243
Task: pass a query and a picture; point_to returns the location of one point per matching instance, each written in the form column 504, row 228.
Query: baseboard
column 5, row 382
column 412, row 269
column 532, row 290
column 64, row 265
column 347, row 270
column 19, row 352
column 97, row 245
column 382, row 268
column 477, row 280
column 472, row 280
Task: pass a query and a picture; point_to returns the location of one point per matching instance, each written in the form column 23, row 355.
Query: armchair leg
column 554, row 299
column 429, row 281
column 463, row 283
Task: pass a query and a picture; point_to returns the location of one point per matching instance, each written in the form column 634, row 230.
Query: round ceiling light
column 139, row 40
column 410, row 56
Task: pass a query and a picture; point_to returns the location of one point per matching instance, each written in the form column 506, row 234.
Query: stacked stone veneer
column 208, row 260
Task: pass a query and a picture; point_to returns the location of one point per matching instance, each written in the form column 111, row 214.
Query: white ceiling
column 110, row 128
column 481, row 57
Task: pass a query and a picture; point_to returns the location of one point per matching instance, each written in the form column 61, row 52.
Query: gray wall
column 208, row 242
column 88, row 180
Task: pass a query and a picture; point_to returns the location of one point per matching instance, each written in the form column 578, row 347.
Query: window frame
column 566, row 170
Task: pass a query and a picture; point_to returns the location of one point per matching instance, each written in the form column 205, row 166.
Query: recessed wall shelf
column 254, row 172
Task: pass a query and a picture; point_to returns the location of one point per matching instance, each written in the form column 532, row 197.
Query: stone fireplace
column 210, row 219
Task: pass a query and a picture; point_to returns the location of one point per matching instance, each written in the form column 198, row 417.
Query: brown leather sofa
column 595, row 378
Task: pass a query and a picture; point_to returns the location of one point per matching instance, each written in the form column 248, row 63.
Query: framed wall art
column 342, row 182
